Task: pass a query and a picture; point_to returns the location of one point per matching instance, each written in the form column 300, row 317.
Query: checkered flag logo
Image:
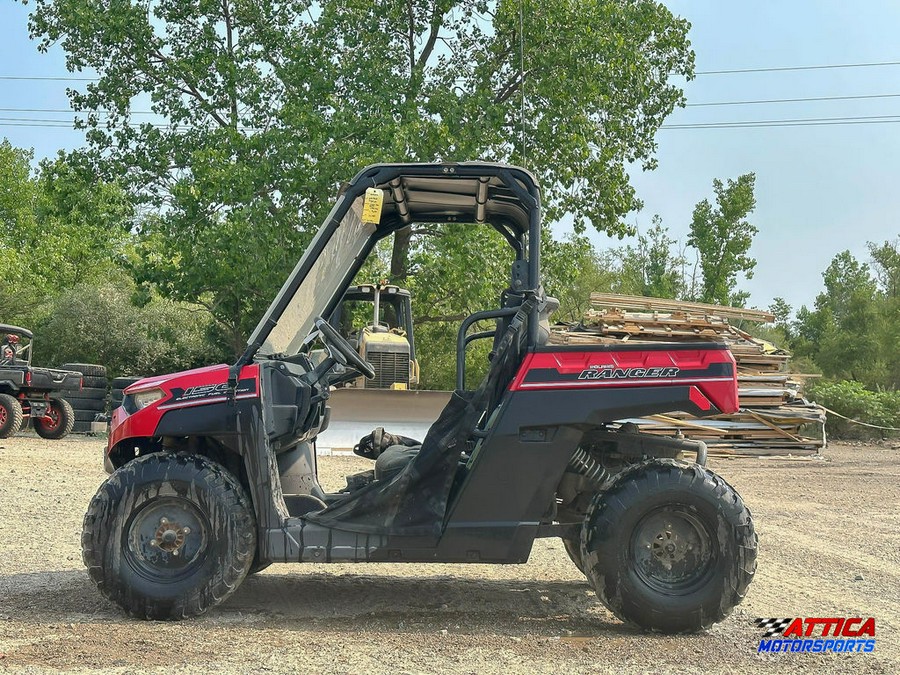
column 773, row 626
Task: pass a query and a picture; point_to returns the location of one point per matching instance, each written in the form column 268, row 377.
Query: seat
column 394, row 458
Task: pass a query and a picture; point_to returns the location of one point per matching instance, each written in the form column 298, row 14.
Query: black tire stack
column 119, row 385
column 92, row 399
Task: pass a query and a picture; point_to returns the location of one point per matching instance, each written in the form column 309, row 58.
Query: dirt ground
column 829, row 546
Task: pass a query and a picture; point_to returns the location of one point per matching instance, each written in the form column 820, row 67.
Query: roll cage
column 504, row 197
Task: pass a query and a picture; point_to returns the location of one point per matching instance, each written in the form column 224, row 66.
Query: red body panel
column 190, row 388
column 711, row 373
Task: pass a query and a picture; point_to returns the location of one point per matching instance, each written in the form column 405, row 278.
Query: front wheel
column 669, row 547
column 10, row 415
column 168, row 536
column 58, row 422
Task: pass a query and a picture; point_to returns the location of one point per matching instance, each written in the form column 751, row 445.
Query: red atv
column 215, row 469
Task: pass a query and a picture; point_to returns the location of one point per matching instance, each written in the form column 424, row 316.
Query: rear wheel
column 57, row 422
column 169, row 536
column 669, row 547
column 10, row 415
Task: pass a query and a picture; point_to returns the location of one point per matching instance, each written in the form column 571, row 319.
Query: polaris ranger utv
column 216, row 468
column 32, row 393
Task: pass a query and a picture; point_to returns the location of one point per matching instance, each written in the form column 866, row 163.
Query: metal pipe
column 461, row 338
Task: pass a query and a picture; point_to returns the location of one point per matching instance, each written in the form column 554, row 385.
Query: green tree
column 722, row 236
column 99, row 323
column 263, row 108
column 653, row 267
column 886, row 264
column 840, row 334
column 571, row 270
column 886, row 269
column 782, row 312
column 83, row 225
column 17, row 196
column 58, row 226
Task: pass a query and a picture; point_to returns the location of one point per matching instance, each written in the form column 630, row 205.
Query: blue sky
column 820, row 189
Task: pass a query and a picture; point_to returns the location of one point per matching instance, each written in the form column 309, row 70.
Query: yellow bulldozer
column 377, row 320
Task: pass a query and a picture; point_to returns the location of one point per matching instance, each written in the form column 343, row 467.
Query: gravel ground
column 829, row 547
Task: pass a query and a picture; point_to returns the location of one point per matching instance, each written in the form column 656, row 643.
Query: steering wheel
column 341, row 350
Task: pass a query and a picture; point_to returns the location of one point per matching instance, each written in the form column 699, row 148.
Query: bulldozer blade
column 355, row 412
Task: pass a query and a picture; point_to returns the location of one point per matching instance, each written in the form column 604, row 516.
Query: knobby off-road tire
column 94, row 382
column 89, row 369
column 87, row 404
column 168, row 536
column 669, row 547
column 59, row 420
column 10, row 415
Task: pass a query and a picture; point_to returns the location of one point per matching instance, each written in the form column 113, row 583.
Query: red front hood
column 187, row 390
column 158, row 380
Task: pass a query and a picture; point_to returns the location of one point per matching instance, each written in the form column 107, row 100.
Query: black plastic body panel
column 43, row 380
column 508, row 489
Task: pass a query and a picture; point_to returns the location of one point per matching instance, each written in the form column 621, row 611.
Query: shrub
column 100, row 324
column 853, row 400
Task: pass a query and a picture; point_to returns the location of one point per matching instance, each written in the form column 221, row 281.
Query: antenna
column 522, row 80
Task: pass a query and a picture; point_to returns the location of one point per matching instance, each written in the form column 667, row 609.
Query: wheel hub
column 170, row 536
column 167, row 539
column 672, row 550
column 50, row 419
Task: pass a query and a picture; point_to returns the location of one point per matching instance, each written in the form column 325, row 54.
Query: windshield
column 320, row 284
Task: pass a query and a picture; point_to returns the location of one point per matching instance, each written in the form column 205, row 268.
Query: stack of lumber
column 774, row 418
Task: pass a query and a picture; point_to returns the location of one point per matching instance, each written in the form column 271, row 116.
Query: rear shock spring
column 589, row 467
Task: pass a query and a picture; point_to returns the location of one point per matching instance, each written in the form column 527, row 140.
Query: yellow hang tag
column 371, row 212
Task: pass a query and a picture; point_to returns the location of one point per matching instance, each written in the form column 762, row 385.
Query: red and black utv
column 31, row 393
column 215, row 468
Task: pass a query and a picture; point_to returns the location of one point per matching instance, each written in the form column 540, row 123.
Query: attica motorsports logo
column 817, row 635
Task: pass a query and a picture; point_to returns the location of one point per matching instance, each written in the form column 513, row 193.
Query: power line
column 50, row 78
column 793, row 100
column 775, row 126
column 797, row 122
column 705, row 104
column 732, row 71
column 790, row 68
column 63, row 124
column 72, row 112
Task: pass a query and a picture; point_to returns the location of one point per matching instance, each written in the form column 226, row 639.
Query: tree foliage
column 851, row 332
column 58, row 226
column 722, row 236
column 100, row 324
column 654, row 267
column 263, row 108
column 17, row 194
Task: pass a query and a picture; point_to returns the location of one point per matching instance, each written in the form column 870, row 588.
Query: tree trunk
column 400, row 255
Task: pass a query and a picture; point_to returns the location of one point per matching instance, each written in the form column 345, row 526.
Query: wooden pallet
column 774, row 418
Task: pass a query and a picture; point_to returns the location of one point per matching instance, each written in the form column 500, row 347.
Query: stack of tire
column 119, row 384
column 91, row 401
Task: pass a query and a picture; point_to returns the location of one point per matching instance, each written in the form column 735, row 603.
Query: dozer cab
column 216, row 467
column 377, row 320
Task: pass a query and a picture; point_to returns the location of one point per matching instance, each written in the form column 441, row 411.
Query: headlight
column 144, row 398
